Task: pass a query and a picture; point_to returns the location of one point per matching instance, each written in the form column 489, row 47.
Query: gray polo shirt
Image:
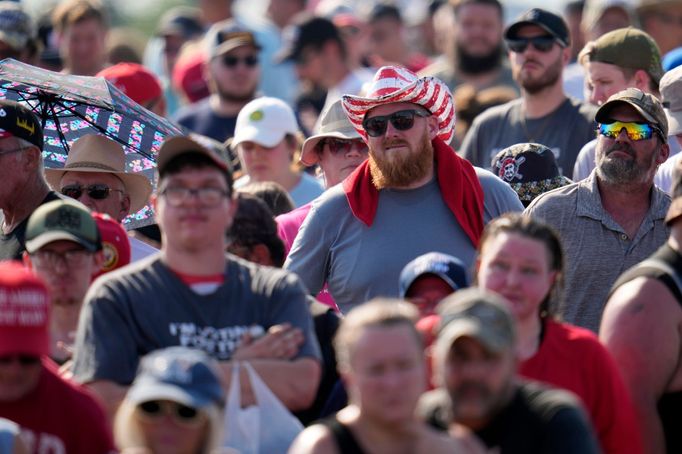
column 596, row 248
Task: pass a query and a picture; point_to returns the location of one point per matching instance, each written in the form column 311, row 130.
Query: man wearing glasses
column 412, row 195
column 614, row 219
column 55, row 415
column 232, row 70
column 64, row 249
column 23, row 187
column 193, row 294
column 94, row 174
column 538, row 52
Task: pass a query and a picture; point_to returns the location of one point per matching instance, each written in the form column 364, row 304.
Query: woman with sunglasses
column 267, row 139
column 174, row 406
column 522, row 260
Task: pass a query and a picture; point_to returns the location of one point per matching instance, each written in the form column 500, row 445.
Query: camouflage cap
column 647, row 105
column 477, row 314
column 629, row 48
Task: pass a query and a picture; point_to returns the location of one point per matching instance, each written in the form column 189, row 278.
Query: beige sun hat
column 333, row 123
column 97, row 153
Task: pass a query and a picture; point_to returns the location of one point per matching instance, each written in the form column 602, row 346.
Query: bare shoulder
column 315, row 439
column 434, row 442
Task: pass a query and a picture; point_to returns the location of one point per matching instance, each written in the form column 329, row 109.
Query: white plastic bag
column 265, row 428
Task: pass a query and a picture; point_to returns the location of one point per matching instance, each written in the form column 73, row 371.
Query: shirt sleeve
column 470, row 147
column 499, row 197
column 569, row 432
column 105, row 344
column 584, row 163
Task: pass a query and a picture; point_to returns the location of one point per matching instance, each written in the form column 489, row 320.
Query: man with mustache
column 538, row 52
column 476, row 366
column 615, row 218
column 413, row 194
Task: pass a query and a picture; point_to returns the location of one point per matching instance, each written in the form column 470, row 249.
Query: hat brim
column 22, row 340
column 309, row 156
column 513, row 30
column 147, row 390
column 528, row 191
column 600, row 116
column 266, row 138
column 138, row 187
column 177, row 145
column 466, row 327
column 57, row 235
column 674, row 122
column 428, row 92
column 233, row 44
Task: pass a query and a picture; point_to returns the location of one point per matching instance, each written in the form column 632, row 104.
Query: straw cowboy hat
column 397, row 84
column 96, row 153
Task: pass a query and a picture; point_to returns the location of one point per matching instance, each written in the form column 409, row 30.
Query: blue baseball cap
column 179, row 374
column 449, row 268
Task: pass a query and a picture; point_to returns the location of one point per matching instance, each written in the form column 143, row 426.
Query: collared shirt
column 597, row 250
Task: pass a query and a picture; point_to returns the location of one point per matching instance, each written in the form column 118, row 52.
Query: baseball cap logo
column 256, row 115
column 3, row 113
column 31, row 129
column 63, row 219
column 110, row 256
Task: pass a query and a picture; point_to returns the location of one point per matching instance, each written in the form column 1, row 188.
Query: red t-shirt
column 60, row 417
column 572, row 358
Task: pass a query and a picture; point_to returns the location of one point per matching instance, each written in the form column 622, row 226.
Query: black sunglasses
column 95, row 191
column 182, row 413
column 24, row 360
column 341, row 146
column 542, row 43
column 231, row 61
column 401, row 120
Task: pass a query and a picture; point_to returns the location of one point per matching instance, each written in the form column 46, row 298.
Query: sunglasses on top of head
column 230, row 61
column 95, row 191
column 635, row 131
column 401, row 120
column 542, row 43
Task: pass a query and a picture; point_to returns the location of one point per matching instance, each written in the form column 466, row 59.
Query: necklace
column 531, row 138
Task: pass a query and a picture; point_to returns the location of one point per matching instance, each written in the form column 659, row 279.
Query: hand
column 280, row 342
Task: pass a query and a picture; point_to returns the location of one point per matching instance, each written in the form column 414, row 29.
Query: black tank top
column 343, row 436
column 670, row 404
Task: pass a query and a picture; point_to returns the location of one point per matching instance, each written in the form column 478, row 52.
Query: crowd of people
column 377, row 233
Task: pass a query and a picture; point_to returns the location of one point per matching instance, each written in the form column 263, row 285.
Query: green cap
column 478, row 314
column 62, row 220
column 647, row 105
column 629, row 48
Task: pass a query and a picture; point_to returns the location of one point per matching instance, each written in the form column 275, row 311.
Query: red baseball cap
column 115, row 243
column 188, row 75
column 136, row 81
column 24, row 312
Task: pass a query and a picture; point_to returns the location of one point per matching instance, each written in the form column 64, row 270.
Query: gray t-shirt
column 565, row 131
column 359, row 262
column 597, row 250
column 145, row 306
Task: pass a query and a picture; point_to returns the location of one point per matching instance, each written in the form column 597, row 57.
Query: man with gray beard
column 616, row 217
column 413, row 195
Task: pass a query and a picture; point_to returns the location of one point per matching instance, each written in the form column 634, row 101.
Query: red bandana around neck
column 459, row 185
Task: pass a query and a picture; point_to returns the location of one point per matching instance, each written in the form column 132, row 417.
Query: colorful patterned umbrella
column 73, row 106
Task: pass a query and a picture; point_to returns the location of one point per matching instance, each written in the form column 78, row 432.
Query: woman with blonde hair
column 174, row 406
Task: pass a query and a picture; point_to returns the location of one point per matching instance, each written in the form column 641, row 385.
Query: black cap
column 305, row 30
column 550, row 22
column 182, row 21
column 19, row 121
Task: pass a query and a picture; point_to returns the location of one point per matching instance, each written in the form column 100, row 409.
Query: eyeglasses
column 541, row 43
column 635, row 131
column 208, row 196
column 341, row 146
column 231, row 61
column 23, row 360
column 401, row 120
column 50, row 259
column 95, row 191
column 182, row 414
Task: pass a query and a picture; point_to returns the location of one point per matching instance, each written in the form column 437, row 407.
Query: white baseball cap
column 264, row 121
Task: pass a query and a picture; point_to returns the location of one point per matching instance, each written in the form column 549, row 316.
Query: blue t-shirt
column 200, row 118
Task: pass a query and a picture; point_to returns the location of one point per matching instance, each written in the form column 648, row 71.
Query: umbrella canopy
column 73, row 106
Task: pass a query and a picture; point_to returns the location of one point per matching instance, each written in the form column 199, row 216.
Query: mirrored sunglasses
column 94, row 191
column 541, row 43
column 635, row 131
column 401, row 120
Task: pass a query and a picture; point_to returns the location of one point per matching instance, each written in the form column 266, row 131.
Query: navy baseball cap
column 550, row 22
column 184, row 375
column 449, row 268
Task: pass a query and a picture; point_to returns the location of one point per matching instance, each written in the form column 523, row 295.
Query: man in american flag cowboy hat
column 413, row 195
